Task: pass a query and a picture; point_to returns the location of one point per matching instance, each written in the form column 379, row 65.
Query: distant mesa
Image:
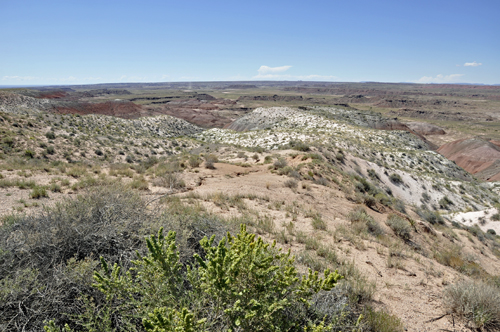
column 271, row 98
column 475, row 155
column 241, row 86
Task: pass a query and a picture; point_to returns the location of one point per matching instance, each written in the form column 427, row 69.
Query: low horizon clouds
column 472, row 64
column 276, row 73
column 453, row 78
column 272, row 70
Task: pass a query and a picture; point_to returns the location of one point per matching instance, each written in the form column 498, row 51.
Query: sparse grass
column 140, row 183
column 318, row 223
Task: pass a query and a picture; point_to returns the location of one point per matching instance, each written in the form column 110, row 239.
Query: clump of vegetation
column 445, row 202
column 432, row 217
column 39, row 192
column 50, row 135
column 162, row 293
column 194, row 161
column 291, row 183
column 210, row 160
column 360, row 216
column 400, row 226
column 475, row 302
column 382, row 321
column 395, row 178
column 280, row 163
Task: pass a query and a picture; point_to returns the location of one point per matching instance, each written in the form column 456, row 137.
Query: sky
column 86, row 42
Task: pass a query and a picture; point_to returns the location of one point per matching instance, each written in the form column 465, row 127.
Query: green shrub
column 395, row 178
column 194, row 161
column 50, row 150
column 381, row 321
column 245, row 284
column 39, row 192
column 140, row 183
column 280, row 163
column 430, row 216
column 400, row 226
column 50, row 135
column 373, row 174
column 210, row 160
column 445, row 202
column 291, row 183
column 29, row 154
column 268, row 160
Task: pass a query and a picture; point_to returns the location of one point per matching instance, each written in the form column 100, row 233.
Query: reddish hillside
column 122, row 109
column 476, row 156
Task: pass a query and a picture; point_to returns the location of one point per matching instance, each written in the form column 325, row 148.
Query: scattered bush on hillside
column 373, row 174
column 50, row 149
column 280, row 163
column 430, row 216
column 291, row 183
column 29, row 154
column 475, row 302
column 445, row 202
column 359, row 215
column 194, row 161
column 39, row 192
column 210, row 160
column 395, row 178
column 400, row 226
column 299, row 146
column 381, row 321
column 50, row 135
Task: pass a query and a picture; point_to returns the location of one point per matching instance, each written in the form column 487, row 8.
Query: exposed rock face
column 476, row 156
column 425, row 128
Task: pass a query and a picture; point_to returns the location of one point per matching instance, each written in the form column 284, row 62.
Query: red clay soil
column 474, row 155
column 122, row 109
column 52, row 95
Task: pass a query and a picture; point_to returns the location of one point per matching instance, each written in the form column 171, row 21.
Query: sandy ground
column 483, row 219
column 411, row 291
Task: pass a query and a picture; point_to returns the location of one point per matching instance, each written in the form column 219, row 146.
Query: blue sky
column 75, row 42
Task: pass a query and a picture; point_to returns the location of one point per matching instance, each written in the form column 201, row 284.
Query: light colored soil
column 413, row 292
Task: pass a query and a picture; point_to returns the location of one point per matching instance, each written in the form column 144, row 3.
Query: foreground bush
column 240, row 284
column 476, row 303
column 47, row 260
